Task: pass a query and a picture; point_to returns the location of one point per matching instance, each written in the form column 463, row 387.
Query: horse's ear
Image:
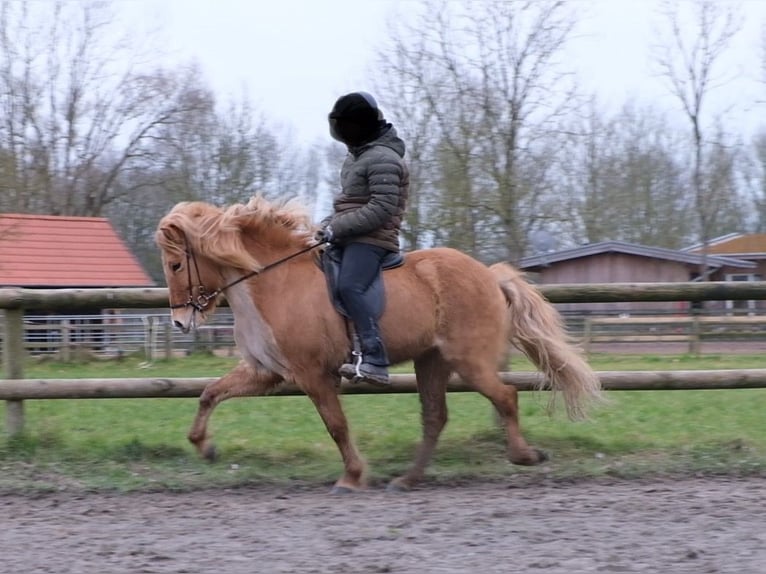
column 169, row 234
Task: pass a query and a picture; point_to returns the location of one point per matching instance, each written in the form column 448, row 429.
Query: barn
column 46, row 251
column 622, row 262
column 751, row 247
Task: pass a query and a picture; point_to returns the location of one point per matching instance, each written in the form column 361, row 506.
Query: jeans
column 360, row 265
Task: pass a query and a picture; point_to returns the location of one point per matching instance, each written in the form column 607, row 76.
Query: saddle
column 329, row 261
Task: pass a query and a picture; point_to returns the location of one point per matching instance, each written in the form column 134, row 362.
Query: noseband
column 202, row 299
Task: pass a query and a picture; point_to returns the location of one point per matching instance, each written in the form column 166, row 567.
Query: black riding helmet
column 355, row 119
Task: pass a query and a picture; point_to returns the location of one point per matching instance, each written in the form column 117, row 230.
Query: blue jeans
column 360, row 265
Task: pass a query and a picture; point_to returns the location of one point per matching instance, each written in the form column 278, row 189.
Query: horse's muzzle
column 183, row 328
column 184, row 319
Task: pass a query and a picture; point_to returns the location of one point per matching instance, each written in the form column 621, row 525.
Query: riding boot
column 371, row 365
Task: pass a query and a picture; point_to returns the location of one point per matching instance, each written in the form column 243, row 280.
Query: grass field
column 140, row 443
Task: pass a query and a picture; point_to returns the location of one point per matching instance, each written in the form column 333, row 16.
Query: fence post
column 587, row 333
column 13, row 365
column 148, row 346
column 154, row 334
column 695, row 341
column 66, row 341
column 168, row 339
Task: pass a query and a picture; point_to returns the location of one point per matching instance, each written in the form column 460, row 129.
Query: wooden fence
column 691, row 330
column 15, row 301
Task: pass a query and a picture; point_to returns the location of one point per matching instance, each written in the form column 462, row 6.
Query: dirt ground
column 694, row 525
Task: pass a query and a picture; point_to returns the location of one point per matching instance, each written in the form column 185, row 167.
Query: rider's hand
column 324, row 235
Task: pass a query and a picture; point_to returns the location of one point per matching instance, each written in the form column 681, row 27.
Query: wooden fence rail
column 73, row 300
column 15, row 301
column 17, row 390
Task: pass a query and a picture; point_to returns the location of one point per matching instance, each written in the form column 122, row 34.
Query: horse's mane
column 218, row 233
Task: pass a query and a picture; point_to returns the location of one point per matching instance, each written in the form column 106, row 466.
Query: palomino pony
column 444, row 310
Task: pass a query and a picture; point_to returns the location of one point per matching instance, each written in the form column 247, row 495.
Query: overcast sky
column 294, row 57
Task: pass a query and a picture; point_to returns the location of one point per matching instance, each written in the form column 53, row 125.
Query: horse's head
column 202, row 246
column 194, row 279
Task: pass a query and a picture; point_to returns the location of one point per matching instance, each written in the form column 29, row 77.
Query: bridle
column 203, row 298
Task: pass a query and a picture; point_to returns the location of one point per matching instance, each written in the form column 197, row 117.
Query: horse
column 444, row 310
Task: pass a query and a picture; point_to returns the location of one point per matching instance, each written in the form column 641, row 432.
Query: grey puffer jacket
column 375, row 182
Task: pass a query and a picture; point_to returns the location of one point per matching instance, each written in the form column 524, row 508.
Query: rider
column 367, row 215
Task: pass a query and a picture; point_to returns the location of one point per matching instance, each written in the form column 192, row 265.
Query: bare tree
column 298, row 170
column 217, row 155
column 404, row 105
column 625, row 178
column 755, row 178
column 690, row 62
column 78, row 115
column 486, row 77
column 755, row 160
column 332, row 157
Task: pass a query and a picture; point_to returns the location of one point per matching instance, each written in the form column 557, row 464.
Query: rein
column 203, row 298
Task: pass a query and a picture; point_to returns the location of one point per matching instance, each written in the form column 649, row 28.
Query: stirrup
column 357, row 361
column 355, row 374
column 351, row 371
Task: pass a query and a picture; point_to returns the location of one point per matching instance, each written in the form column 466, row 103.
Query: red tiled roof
column 62, row 251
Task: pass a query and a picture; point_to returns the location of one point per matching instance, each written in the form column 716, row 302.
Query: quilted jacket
column 374, row 186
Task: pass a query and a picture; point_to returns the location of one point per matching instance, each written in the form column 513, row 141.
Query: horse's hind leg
column 432, row 373
column 242, row 380
column 483, row 376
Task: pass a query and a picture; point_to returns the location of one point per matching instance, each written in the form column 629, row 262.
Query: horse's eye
column 175, row 267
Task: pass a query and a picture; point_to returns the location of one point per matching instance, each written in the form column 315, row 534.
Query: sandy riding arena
column 690, row 526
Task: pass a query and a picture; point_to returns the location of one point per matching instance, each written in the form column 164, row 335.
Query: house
column 45, row 251
column 622, row 262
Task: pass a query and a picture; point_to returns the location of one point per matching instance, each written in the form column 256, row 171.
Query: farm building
column 43, row 251
column 621, row 262
column 751, row 247
column 46, row 251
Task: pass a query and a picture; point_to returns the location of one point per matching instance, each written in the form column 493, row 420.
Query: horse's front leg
column 322, row 392
column 242, row 380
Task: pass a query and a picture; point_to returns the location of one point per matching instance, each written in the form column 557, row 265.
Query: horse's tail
column 538, row 330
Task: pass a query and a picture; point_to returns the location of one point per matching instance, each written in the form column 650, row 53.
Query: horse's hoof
column 210, row 453
column 535, row 457
column 397, row 486
column 342, row 490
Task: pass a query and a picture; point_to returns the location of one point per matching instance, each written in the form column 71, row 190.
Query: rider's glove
column 324, row 235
